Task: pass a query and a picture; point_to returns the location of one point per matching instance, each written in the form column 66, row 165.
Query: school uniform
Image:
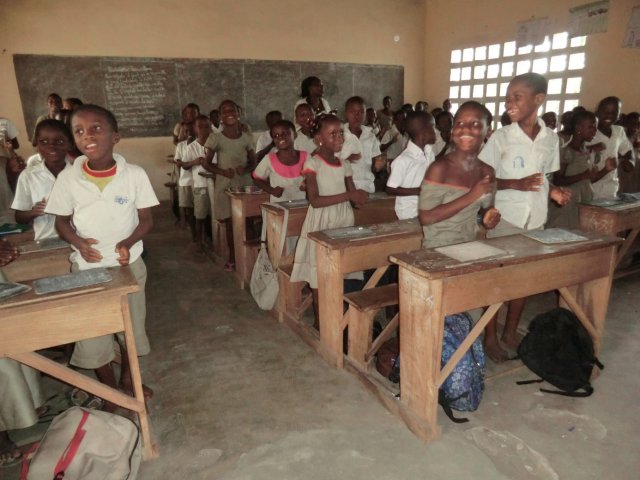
column 407, row 171
column 302, row 142
column 109, row 216
column 616, row 145
column 263, row 142
column 368, row 146
column 513, row 155
column 397, row 147
column 201, row 203
column 326, row 108
column 384, row 120
column 9, row 131
column 35, row 183
column 185, row 180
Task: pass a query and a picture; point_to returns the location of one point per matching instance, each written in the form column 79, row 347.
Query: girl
column 311, row 91
column 304, row 119
column 236, row 159
column 330, row 190
column 577, row 170
column 280, row 173
column 458, row 188
column 53, row 140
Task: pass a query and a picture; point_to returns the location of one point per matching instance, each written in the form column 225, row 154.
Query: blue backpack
column 463, row 388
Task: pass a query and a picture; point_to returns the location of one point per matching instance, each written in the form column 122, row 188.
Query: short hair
column 633, row 116
column 321, row 120
column 73, row 101
column 581, row 116
column 444, row 113
column 607, row 100
column 306, row 85
column 478, row 107
column 414, row 119
column 192, row 105
column 53, row 125
column 56, row 96
column 284, row 123
column 303, row 105
column 386, row 98
column 536, row 81
column 273, row 113
column 201, row 117
column 399, row 112
column 97, row 109
column 354, row 99
column 231, row 102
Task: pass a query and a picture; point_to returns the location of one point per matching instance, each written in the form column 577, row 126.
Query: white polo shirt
column 617, row 144
column 109, row 216
column 407, row 171
column 34, row 184
column 263, row 142
column 513, row 155
column 368, row 146
column 302, row 142
column 397, row 147
column 186, row 177
column 191, row 152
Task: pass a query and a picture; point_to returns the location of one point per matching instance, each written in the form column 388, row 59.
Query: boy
column 265, row 144
column 522, row 154
column 103, row 208
column 408, row 169
column 54, row 112
column 182, row 130
column 191, row 163
column 395, row 140
column 185, row 184
column 444, row 125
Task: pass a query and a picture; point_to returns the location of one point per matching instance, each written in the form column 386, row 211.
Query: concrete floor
column 238, row 396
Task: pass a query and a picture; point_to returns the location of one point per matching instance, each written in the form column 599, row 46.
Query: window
column 482, row 73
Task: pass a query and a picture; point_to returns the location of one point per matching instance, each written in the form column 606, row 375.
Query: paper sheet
column 589, row 18
column 470, row 251
column 533, row 32
column 632, row 36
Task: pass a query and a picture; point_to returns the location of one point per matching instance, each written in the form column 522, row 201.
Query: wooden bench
column 292, row 302
column 363, row 307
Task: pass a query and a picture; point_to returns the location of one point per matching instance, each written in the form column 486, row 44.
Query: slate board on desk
column 554, row 235
column 69, row 281
column 11, row 289
column 147, row 94
column 43, row 245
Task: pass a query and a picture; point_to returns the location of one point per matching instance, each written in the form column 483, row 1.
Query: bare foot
column 495, row 352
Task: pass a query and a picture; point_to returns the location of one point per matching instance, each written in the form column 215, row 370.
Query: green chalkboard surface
column 146, row 94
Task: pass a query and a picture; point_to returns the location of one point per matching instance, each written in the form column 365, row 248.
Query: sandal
column 80, row 398
column 8, row 457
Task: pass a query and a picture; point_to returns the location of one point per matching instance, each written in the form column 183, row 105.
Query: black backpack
column 559, row 350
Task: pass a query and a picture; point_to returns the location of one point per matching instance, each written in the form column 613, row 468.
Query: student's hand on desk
column 532, row 183
column 123, row 255
column 277, row 191
column 90, row 254
column 358, row 197
column 38, row 208
column 491, row 218
column 560, row 195
column 8, row 253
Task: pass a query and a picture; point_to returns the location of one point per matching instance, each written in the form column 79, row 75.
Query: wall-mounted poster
column 589, row 18
column 632, row 37
column 532, row 32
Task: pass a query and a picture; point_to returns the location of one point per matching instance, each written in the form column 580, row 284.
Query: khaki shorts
column 96, row 352
column 201, row 203
column 185, row 197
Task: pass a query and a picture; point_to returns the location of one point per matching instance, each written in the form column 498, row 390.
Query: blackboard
column 147, row 94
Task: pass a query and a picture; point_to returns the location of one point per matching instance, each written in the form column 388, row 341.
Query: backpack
column 560, row 351
column 463, row 388
column 83, row 444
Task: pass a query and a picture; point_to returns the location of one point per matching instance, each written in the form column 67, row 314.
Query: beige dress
column 232, row 153
column 461, row 227
column 289, row 177
column 331, row 181
column 567, row 216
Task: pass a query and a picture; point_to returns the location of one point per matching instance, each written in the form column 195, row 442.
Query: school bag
column 463, row 388
column 83, row 444
column 560, row 351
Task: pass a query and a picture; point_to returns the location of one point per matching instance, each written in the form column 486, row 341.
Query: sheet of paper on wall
column 632, row 36
column 589, row 18
column 533, row 32
column 470, row 251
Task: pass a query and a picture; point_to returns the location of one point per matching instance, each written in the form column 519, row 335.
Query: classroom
column 228, row 390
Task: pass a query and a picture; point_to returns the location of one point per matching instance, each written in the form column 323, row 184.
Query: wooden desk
column 433, row 285
column 34, row 262
column 614, row 220
column 379, row 209
column 243, row 206
column 26, row 236
column 66, row 317
column 337, row 257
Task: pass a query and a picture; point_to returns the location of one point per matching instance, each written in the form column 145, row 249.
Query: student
column 385, row 114
column 53, row 141
column 304, row 119
column 422, row 106
column 457, row 192
column 446, row 105
column 444, row 124
column 361, row 147
column 311, row 91
column 550, row 119
column 632, row 129
column 191, row 162
column 103, row 209
column 183, row 128
column 616, row 145
column 396, row 139
column 8, row 161
column 407, row 107
column 54, row 112
column 236, row 160
column 265, row 144
column 565, row 130
column 185, row 183
column 522, row 154
column 214, row 118
column 372, row 121
column 408, row 169
column 331, row 190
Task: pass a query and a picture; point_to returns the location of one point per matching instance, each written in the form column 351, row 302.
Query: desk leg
column 421, row 331
column 150, row 449
column 626, row 245
column 274, row 232
column 239, row 226
column 330, row 297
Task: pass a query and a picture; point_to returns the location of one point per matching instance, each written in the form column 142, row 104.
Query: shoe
column 80, row 398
